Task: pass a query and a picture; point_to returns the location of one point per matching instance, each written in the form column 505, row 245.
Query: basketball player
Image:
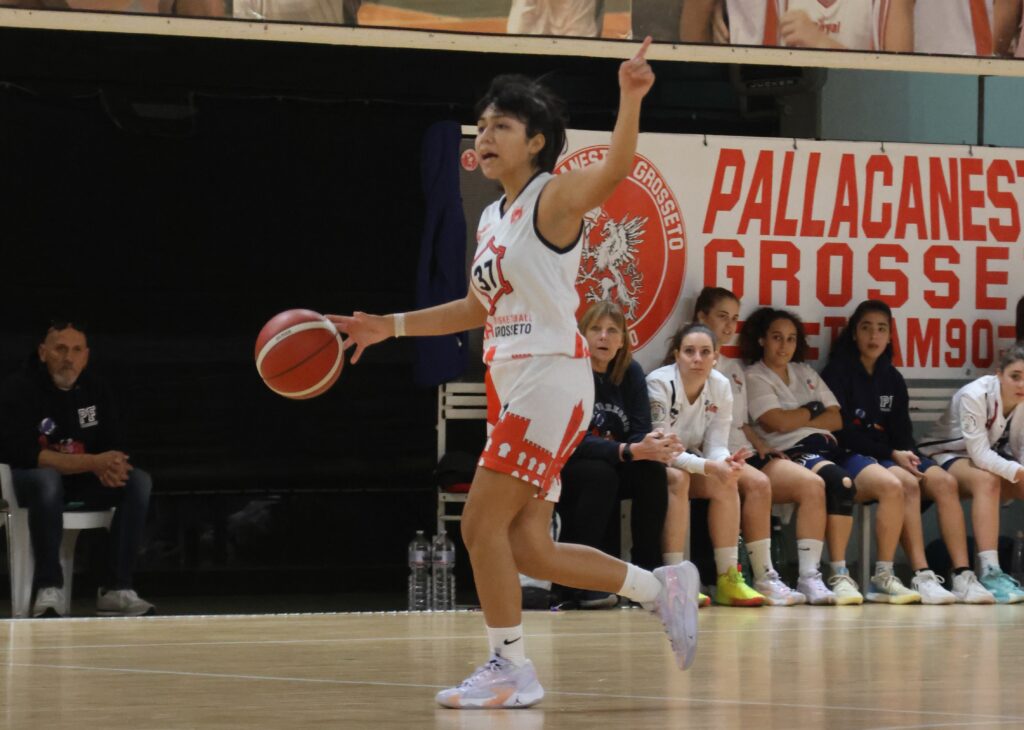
column 550, row 17
column 523, row 293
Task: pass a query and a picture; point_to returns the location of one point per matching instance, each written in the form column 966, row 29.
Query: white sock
column 808, row 552
column 640, row 585
column 671, row 558
column 725, row 558
column 838, row 566
column 883, row 566
column 760, row 557
column 988, row 560
column 508, row 643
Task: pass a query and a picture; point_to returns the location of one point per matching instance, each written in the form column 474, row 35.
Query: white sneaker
column 813, row 588
column 887, row 588
column 777, row 593
column 929, row 586
column 49, row 603
column 845, row 588
column 122, row 603
column 497, row 684
column 676, row 606
column 968, row 589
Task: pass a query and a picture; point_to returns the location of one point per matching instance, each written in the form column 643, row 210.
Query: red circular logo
column 634, row 247
column 469, row 160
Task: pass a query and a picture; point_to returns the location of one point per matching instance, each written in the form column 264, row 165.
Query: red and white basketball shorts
column 546, row 406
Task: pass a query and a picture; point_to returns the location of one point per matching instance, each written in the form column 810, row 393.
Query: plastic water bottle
column 1017, row 560
column 443, row 572
column 419, row 573
column 744, row 560
column 779, row 559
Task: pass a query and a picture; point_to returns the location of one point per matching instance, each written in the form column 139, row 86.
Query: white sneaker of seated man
column 123, row 602
column 49, row 603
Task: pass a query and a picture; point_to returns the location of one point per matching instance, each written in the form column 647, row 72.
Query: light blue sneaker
column 1002, row 586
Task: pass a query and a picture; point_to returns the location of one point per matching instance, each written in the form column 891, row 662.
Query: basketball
column 299, row 354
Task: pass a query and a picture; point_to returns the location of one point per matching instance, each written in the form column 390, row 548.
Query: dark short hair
column 59, row 324
column 845, row 344
column 676, row 340
column 534, row 105
column 756, row 327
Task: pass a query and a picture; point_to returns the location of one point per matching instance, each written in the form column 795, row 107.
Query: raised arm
column 363, row 329
column 568, row 196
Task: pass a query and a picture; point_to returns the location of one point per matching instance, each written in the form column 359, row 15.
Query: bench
column 468, row 401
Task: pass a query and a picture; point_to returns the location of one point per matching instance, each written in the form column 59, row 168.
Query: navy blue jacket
column 622, row 413
column 876, row 407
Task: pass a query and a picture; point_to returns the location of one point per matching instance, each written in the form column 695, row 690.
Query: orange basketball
column 298, row 354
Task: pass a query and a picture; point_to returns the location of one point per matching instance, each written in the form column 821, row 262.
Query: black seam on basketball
column 303, row 361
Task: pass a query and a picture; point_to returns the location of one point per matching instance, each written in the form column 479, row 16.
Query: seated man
column 59, row 434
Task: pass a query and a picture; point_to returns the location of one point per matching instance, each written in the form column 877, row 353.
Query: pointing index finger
column 643, row 49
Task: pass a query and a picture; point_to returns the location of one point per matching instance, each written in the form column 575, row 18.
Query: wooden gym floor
column 836, row 668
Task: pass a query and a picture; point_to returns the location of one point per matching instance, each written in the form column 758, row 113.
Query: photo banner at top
column 814, row 227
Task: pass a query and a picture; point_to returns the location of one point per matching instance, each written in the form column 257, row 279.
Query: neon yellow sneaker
column 703, row 601
column 734, row 591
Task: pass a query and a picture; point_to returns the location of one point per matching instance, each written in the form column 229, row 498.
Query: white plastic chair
column 19, row 546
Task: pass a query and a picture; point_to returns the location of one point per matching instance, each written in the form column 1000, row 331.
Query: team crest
column 634, row 251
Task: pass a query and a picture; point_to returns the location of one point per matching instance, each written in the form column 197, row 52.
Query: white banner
column 815, row 227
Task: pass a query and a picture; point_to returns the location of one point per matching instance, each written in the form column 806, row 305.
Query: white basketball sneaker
column 813, row 588
column 930, row 587
column 777, row 593
column 497, row 684
column 676, row 606
column 968, row 589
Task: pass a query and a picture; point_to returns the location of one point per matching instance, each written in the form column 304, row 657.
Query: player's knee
column 987, row 484
column 678, row 483
column 840, row 492
column 755, row 485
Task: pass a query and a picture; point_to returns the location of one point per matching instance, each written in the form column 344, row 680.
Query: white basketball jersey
column 553, row 17
column 849, row 22
column 732, row 369
column 527, row 286
column 767, row 391
column 754, row 22
column 962, row 27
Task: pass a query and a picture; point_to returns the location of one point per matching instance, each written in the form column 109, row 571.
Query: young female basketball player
column 875, row 408
column 694, row 402
column 523, row 291
column 795, row 412
column 768, row 476
column 980, row 440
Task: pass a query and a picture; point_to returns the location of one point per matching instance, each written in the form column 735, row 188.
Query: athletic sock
column 640, row 585
column 725, row 558
column 883, row 566
column 838, row 567
column 808, row 552
column 958, row 571
column 508, row 643
column 760, row 557
column 988, row 560
column 671, row 558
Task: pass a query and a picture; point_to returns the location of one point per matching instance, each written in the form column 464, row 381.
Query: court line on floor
column 977, row 723
column 472, row 637
column 589, row 695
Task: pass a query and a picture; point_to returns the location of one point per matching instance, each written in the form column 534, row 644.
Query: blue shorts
column 815, row 449
column 949, row 462
column 924, row 466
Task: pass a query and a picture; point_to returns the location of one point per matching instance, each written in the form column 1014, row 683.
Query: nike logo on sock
column 507, row 642
column 805, row 549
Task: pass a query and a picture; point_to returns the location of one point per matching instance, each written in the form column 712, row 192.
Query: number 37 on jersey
column 487, row 278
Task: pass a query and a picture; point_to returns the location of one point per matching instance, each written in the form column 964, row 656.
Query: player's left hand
column 635, row 75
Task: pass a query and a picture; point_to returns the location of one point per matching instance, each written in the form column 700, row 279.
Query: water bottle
column 443, row 572
column 1017, row 561
column 419, row 573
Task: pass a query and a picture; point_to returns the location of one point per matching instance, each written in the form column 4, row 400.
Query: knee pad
column 839, row 490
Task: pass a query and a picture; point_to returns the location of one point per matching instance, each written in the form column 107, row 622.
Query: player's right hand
column 362, row 330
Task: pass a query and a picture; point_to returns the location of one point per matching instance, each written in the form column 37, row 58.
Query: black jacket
column 35, row 415
column 876, row 407
column 622, row 413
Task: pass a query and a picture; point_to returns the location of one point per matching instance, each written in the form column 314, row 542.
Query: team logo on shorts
column 634, row 246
